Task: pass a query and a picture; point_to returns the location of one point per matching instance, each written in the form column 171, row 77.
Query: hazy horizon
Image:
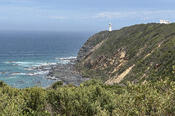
column 77, row 15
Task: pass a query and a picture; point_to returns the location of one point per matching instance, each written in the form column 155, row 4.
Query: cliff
column 135, row 53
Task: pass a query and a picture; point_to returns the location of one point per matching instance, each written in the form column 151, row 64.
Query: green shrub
column 57, row 84
column 92, row 98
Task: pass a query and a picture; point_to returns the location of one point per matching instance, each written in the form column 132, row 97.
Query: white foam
column 41, row 72
column 47, row 64
column 37, row 68
column 30, row 64
column 30, row 74
column 24, row 64
column 52, row 78
column 12, row 77
column 62, row 60
column 65, row 60
column 18, row 73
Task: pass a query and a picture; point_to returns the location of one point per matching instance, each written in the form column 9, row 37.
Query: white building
column 164, row 22
column 110, row 27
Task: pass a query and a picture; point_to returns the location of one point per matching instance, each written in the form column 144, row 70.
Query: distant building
column 110, row 27
column 164, row 22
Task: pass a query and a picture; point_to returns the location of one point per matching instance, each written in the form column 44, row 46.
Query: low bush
column 92, row 98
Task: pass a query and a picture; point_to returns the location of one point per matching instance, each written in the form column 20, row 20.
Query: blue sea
column 22, row 51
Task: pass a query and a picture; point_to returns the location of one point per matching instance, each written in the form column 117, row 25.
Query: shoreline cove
column 66, row 73
column 62, row 70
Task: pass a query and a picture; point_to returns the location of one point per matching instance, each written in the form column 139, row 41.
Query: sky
column 81, row 15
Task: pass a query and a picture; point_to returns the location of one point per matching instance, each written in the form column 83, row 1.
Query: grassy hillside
column 136, row 53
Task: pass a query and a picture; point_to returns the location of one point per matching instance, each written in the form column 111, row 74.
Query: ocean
column 22, row 52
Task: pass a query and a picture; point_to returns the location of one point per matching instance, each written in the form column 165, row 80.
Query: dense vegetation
column 150, row 48
column 92, row 98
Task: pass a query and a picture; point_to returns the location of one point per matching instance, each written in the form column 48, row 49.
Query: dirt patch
column 120, row 77
column 122, row 54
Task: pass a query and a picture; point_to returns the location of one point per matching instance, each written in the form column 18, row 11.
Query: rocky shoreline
column 66, row 73
column 63, row 70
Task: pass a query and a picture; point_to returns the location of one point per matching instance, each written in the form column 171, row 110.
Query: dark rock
column 66, row 73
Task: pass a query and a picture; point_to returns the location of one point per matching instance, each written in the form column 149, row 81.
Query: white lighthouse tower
column 110, row 27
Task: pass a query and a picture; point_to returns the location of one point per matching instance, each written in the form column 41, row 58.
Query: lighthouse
column 110, row 27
